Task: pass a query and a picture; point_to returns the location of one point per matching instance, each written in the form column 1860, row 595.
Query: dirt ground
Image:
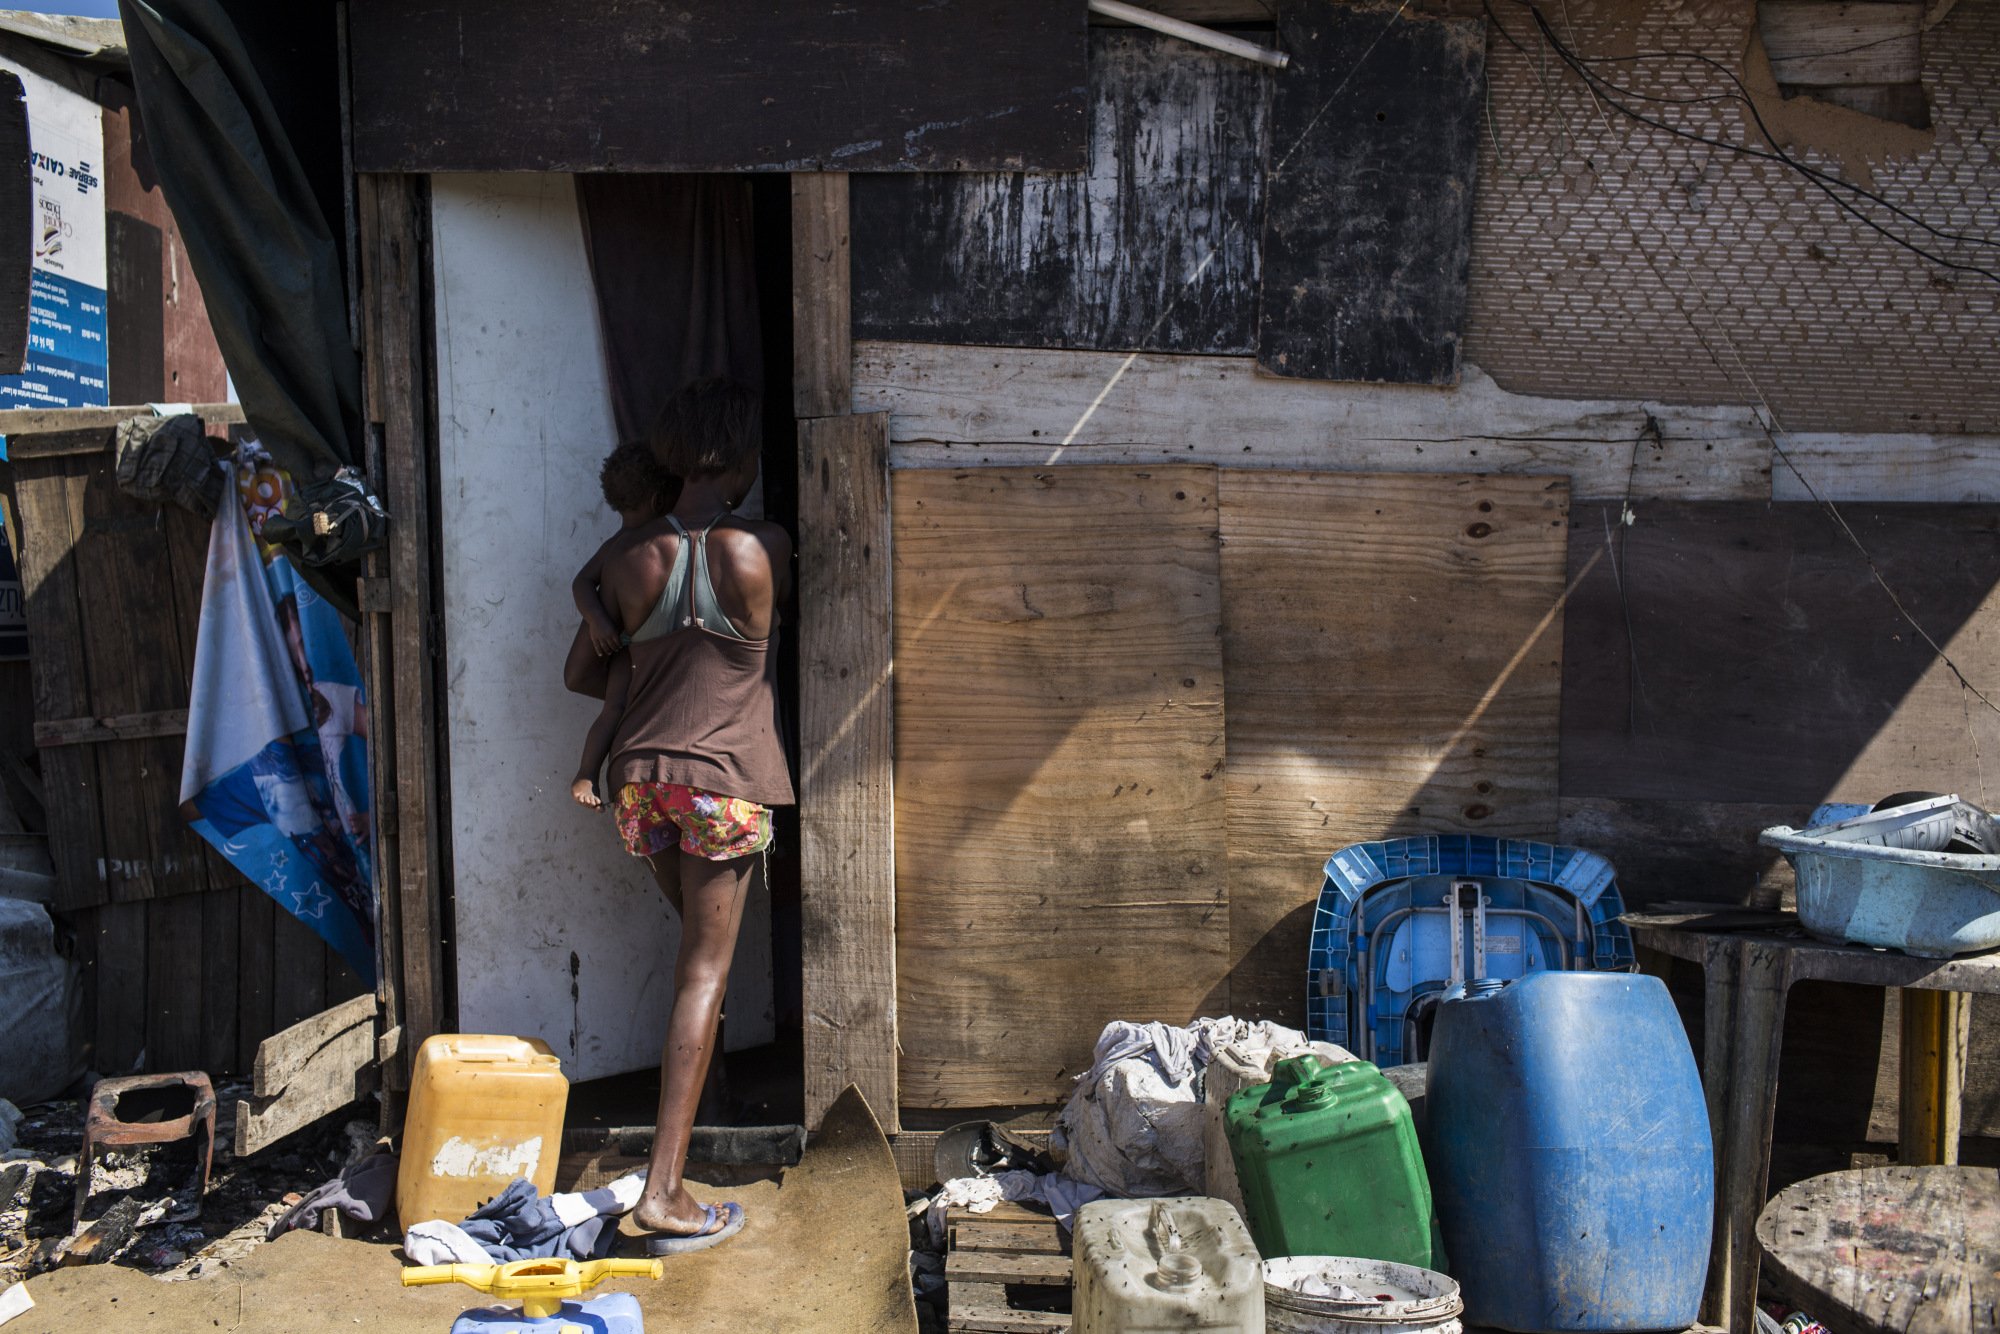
column 825, row 1248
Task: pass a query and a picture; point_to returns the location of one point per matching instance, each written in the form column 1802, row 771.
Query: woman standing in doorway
column 690, row 728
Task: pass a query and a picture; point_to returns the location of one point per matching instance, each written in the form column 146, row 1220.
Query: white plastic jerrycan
column 1180, row 1265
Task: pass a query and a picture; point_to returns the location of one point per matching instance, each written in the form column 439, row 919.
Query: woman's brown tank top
column 702, row 709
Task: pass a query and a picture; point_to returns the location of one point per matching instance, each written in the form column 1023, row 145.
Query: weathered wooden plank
column 282, row 1056
column 118, row 727
column 298, row 971
column 120, row 961
column 981, row 1308
column 1936, row 1026
column 175, row 982
column 1368, row 218
column 1154, row 245
column 785, row 85
column 256, row 917
column 1913, row 1250
column 1699, row 851
column 17, row 424
column 822, row 326
column 993, row 1267
column 980, row 1234
column 846, row 817
column 1058, row 667
column 954, row 406
column 1939, row 469
column 1745, row 654
column 47, row 558
column 1979, row 1105
column 1817, row 43
column 219, row 982
column 125, row 584
column 1393, row 647
column 338, row 1073
column 394, row 232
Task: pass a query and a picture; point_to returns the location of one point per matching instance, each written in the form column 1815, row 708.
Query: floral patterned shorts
column 653, row 817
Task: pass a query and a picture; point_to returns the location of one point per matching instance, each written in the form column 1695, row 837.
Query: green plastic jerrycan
column 1327, row 1156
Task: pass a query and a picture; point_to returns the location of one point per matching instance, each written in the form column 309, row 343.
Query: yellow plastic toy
column 541, row 1286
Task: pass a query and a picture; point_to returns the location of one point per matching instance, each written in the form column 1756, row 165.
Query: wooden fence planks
column 49, row 499
column 1153, row 245
column 1393, row 647
column 1059, row 749
column 954, row 406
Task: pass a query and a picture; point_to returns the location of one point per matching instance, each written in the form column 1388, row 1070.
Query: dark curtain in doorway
column 673, row 259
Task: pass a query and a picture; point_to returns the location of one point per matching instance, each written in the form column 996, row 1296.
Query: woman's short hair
column 709, row 428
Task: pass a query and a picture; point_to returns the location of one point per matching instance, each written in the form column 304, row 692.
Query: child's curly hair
column 633, row 480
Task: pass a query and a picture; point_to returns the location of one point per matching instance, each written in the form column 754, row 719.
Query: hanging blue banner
column 276, row 769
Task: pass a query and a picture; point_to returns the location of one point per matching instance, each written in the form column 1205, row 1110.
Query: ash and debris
column 146, row 1209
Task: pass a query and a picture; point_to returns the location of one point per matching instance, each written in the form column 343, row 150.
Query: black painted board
column 1368, row 212
column 1152, row 247
column 660, row 85
column 1762, row 658
column 135, row 310
column 17, row 224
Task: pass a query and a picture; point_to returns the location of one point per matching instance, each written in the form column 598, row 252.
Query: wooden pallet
column 994, row 1261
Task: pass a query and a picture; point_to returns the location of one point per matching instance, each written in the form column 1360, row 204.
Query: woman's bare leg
column 709, row 898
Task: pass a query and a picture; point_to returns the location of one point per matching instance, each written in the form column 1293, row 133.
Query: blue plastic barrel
column 1569, row 1154
column 613, row 1313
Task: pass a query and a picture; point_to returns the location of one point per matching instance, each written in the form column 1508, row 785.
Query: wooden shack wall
column 1720, row 651
column 186, row 965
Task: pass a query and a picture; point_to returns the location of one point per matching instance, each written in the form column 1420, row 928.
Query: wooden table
column 1913, row 1249
column 1747, row 975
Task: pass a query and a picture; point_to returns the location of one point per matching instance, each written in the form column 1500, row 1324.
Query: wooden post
column 822, row 328
column 846, row 819
column 394, row 227
column 1743, row 1028
column 1936, row 1028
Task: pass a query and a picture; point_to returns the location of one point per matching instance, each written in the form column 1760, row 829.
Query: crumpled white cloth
column 1133, row 1126
column 978, row 1195
column 440, row 1243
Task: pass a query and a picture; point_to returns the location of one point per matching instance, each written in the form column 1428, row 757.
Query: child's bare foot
column 585, row 793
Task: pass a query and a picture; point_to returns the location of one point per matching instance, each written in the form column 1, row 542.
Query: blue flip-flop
column 664, row 1244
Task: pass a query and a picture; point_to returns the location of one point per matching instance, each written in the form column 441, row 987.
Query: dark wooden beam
column 776, row 85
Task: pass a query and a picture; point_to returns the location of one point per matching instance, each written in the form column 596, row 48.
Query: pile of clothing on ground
column 1142, row 1121
column 517, row 1224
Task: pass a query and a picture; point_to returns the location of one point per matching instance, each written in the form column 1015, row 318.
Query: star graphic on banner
column 310, row 901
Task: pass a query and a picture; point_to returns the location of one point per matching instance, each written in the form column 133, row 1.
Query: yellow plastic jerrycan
column 483, row 1110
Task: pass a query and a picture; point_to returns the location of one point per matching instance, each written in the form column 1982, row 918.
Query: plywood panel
column 1374, row 151
column 1154, row 245
column 1393, row 647
column 785, row 85
column 1737, row 653
column 1059, row 750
